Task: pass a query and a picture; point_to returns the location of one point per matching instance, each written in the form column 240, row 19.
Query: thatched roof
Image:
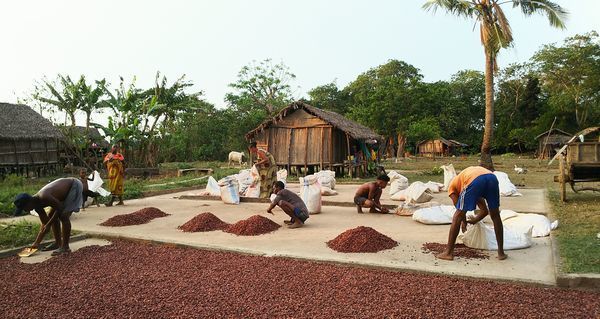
column 446, row 142
column 353, row 129
column 554, row 132
column 18, row 121
column 93, row 134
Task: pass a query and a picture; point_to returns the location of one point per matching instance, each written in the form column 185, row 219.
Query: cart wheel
column 562, row 177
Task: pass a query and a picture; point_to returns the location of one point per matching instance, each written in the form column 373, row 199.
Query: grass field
column 579, row 218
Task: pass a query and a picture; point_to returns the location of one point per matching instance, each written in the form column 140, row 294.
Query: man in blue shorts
column 291, row 204
column 474, row 187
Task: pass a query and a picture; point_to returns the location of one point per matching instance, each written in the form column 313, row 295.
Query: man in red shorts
column 474, row 186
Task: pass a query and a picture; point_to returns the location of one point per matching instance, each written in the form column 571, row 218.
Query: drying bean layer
column 252, row 226
column 204, row 222
column 137, row 280
column 361, row 239
column 142, row 216
column 460, row 251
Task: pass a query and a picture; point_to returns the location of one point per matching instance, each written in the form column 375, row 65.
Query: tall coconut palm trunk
column 486, row 156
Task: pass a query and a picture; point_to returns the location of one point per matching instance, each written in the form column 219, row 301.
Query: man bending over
column 474, row 186
column 368, row 195
column 64, row 196
column 291, row 204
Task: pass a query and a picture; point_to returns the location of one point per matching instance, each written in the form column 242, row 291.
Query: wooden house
column 303, row 135
column 28, row 141
column 550, row 141
column 439, row 147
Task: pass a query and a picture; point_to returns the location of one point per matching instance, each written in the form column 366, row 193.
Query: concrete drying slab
column 532, row 201
column 534, row 264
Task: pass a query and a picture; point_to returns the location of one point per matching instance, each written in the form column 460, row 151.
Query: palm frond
column 462, row 8
column 555, row 13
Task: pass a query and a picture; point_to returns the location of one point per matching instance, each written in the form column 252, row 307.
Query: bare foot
column 296, row 224
column 502, row 256
column 288, row 222
column 359, row 209
column 61, row 251
column 120, row 204
column 444, row 256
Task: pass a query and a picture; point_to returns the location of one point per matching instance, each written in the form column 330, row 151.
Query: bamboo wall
column 433, row 148
column 28, row 152
column 303, row 139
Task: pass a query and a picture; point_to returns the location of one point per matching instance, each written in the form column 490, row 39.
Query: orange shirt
column 466, row 177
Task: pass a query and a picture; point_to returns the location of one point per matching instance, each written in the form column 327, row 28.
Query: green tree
column 496, row 34
column 64, row 94
column 329, row 97
column 382, row 97
column 262, row 85
column 424, row 129
column 570, row 75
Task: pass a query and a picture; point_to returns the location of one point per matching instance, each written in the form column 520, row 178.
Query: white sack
column 282, row 176
column 397, row 182
column 212, row 187
column 406, row 209
column 506, row 187
column 310, row 192
column 253, row 190
column 96, row 184
column 417, row 192
column 326, row 178
column 244, row 178
column 482, row 236
column 540, row 224
column 326, row 191
column 504, row 215
column 229, row 189
column 449, row 174
column 437, row 215
column 434, row 187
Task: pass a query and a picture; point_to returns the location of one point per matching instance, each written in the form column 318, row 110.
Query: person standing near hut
column 116, row 174
column 267, row 168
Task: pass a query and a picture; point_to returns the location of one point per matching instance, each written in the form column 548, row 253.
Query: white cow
column 237, row 157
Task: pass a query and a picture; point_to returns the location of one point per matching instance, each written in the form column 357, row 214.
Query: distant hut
column 439, row 147
column 303, row 135
column 550, row 141
column 28, row 141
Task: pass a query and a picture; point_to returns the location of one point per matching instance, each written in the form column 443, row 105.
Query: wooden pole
column 546, row 141
column 289, row 153
column 322, row 146
column 331, row 148
column 306, row 153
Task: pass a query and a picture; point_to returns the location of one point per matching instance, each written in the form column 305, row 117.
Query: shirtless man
column 291, row 204
column 64, row 196
column 474, row 186
column 368, row 195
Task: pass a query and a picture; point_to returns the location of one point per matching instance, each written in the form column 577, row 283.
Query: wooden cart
column 579, row 162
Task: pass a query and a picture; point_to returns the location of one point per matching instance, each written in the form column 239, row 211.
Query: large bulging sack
column 326, row 191
column 449, row 174
column 326, row 178
column 417, row 192
column 310, row 192
column 506, row 187
column 397, row 182
column 540, row 225
column 434, row 187
column 229, row 190
column 437, row 215
column 482, row 236
column 282, row 176
column 504, row 215
column 212, row 187
column 253, row 190
column 244, row 178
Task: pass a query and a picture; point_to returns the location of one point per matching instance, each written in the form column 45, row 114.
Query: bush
column 434, row 171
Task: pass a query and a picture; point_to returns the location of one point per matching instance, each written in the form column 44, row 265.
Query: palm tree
column 496, row 34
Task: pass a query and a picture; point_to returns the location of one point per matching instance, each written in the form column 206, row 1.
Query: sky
column 210, row 41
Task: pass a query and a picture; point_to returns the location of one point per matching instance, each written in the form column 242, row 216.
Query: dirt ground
column 133, row 280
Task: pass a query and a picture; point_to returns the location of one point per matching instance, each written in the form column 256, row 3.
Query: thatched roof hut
column 27, row 139
column 550, row 141
column 302, row 134
column 439, row 147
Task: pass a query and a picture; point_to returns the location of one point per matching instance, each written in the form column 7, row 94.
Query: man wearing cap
column 475, row 186
column 64, row 196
